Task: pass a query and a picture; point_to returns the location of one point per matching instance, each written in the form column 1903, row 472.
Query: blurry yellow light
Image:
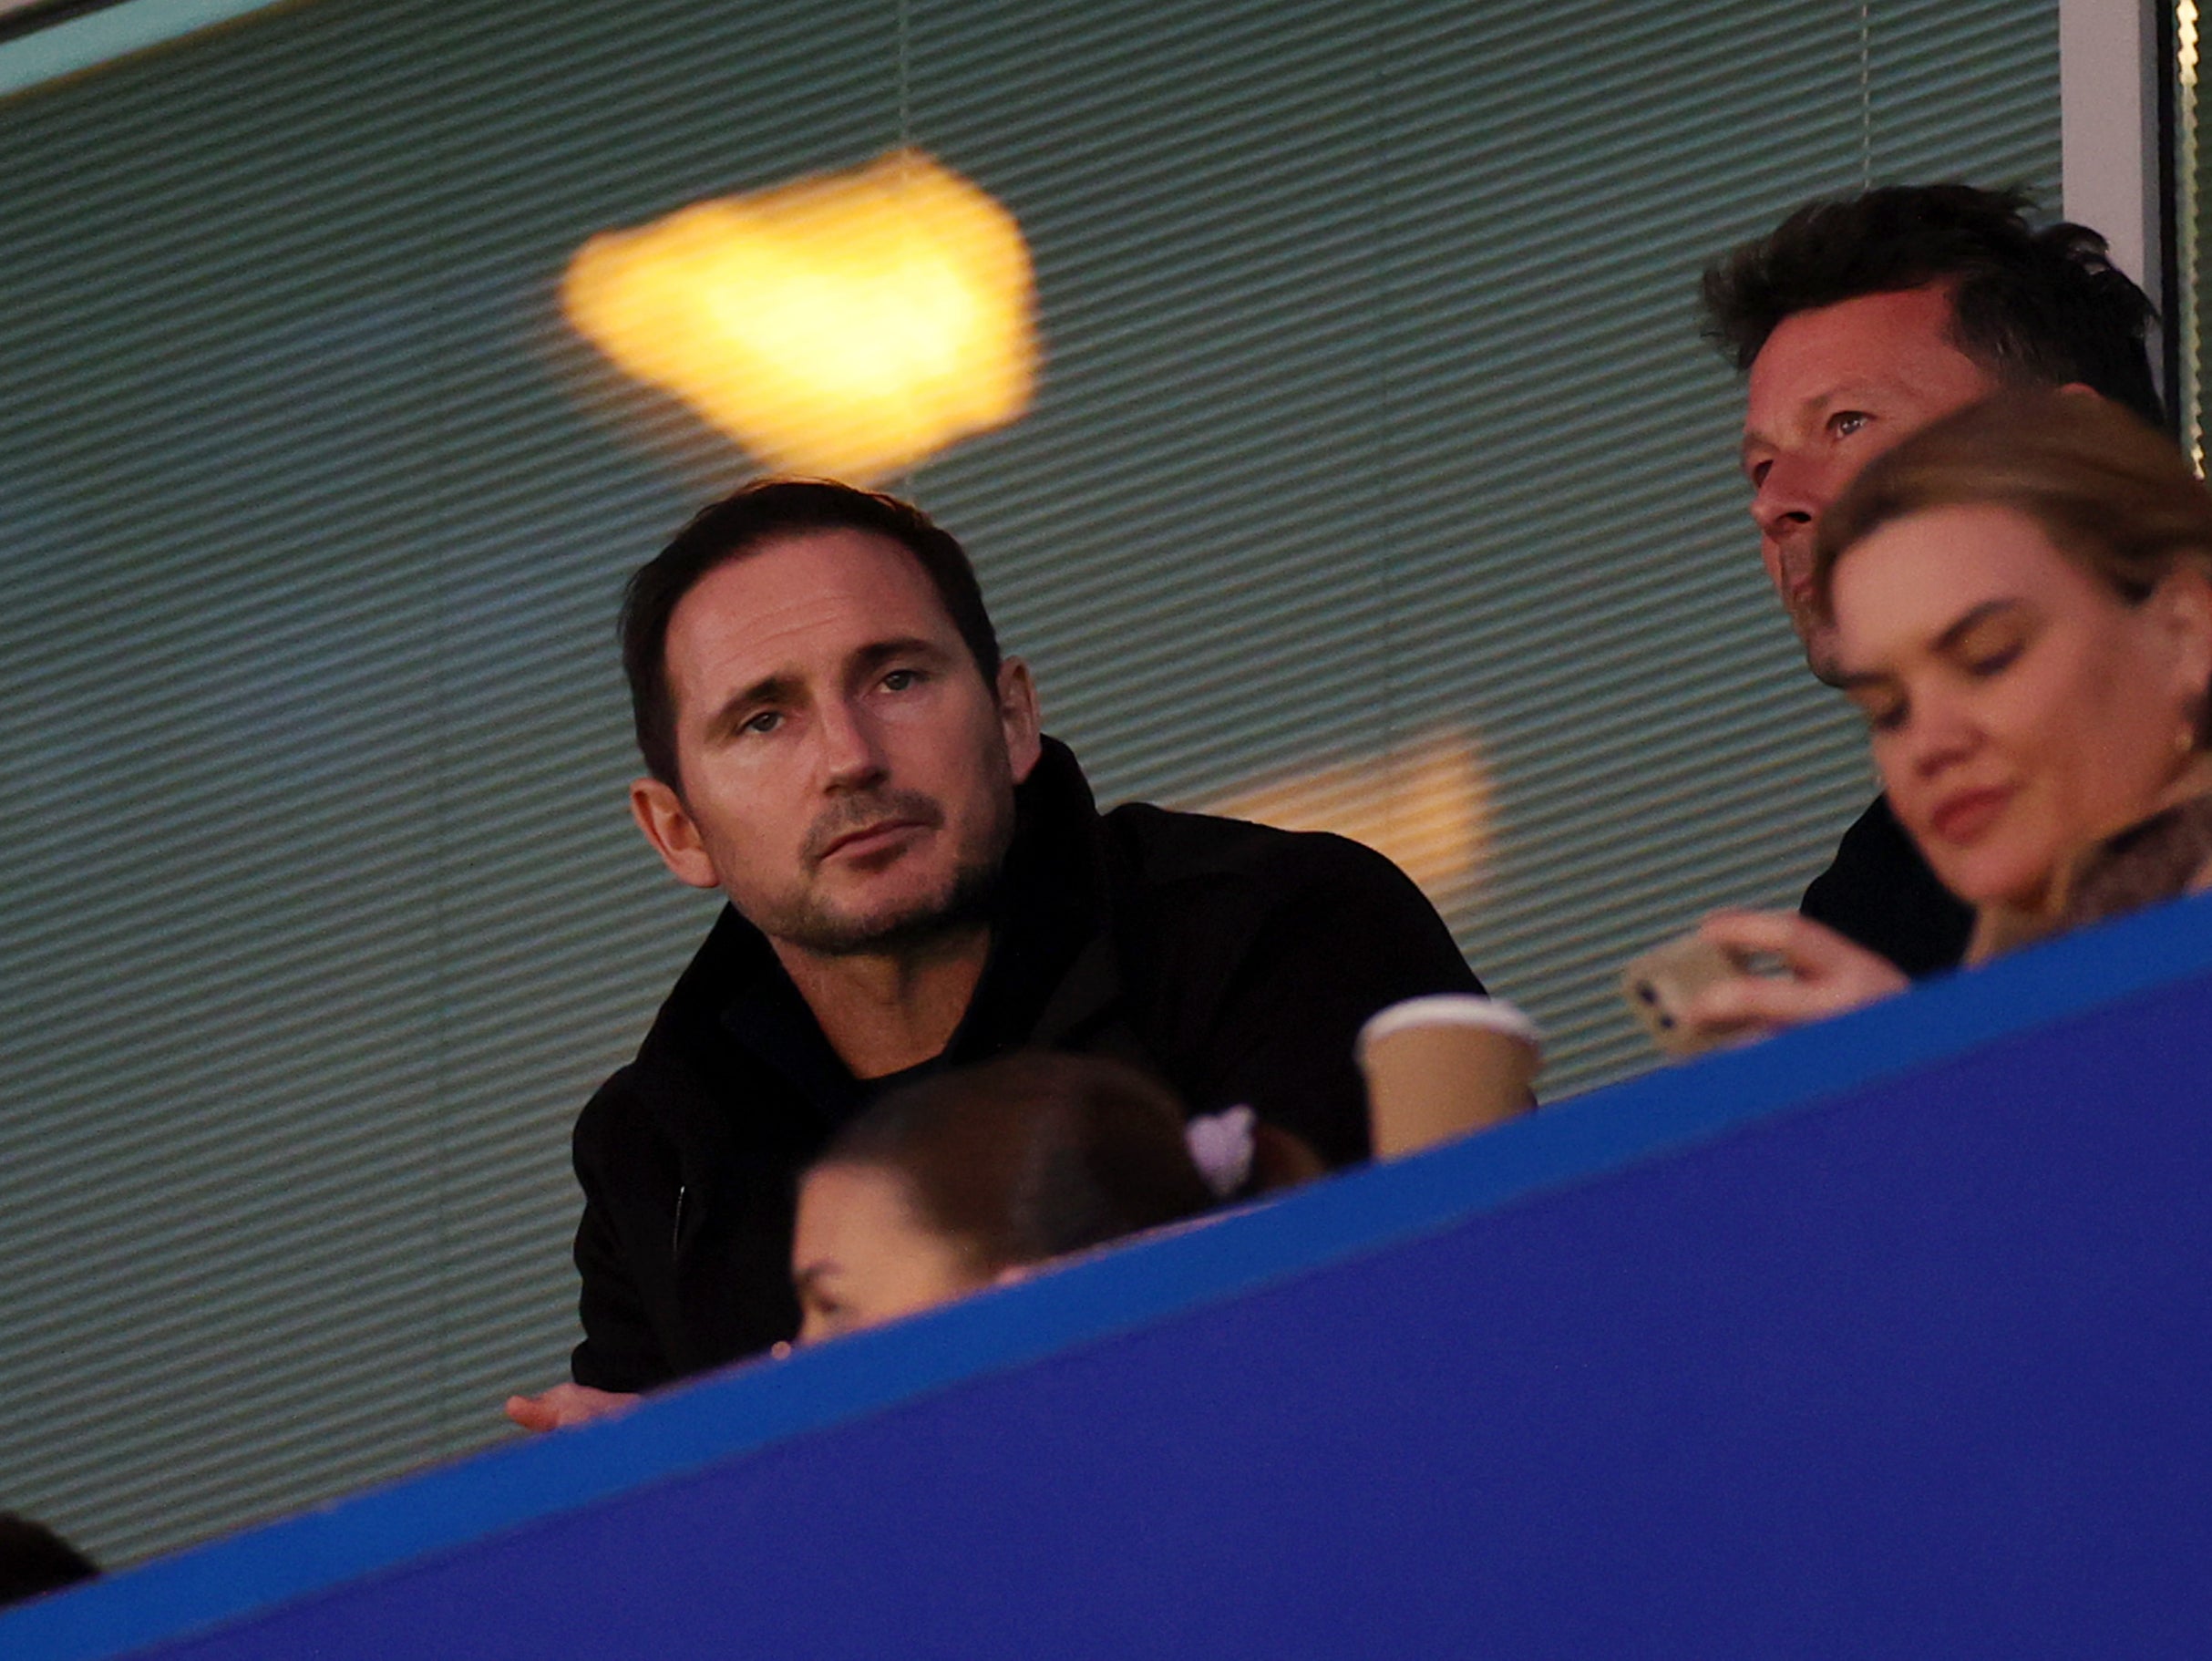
column 1424, row 803
column 847, row 324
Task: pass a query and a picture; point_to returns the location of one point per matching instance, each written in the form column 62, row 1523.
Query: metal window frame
column 48, row 42
column 2115, row 115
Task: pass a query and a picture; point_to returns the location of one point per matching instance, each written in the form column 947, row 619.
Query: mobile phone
column 1659, row 983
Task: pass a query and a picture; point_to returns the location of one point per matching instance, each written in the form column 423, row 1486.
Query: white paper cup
column 1442, row 1066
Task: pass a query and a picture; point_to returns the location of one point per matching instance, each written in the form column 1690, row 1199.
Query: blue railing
column 1893, row 1335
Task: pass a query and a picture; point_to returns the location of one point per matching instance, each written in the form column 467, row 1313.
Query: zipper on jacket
column 675, row 1230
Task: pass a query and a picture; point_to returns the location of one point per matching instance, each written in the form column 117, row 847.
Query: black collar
column 1050, row 970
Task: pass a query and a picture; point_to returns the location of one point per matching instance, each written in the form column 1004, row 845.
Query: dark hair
column 2032, row 307
column 740, row 524
column 1029, row 1158
column 35, row 1561
column 2113, row 495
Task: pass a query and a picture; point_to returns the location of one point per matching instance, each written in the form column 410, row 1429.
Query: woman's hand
column 1827, row 975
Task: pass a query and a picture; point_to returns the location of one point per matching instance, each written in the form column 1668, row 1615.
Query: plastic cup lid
column 1451, row 1009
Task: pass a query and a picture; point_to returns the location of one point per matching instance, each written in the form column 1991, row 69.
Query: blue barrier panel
column 1888, row 1338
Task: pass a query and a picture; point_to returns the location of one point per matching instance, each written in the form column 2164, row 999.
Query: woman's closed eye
column 1991, row 646
column 1983, row 664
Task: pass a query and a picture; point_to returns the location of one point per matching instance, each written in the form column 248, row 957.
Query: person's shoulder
column 668, row 1075
column 687, row 1034
column 1168, row 846
column 1875, row 836
column 622, row 1109
column 1185, row 876
column 1880, row 892
column 1202, row 900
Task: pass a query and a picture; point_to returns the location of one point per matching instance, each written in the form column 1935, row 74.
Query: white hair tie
column 1221, row 1148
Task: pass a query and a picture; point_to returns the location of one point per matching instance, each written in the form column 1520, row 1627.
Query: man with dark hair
column 1857, row 323
column 917, row 879
column 746, row 520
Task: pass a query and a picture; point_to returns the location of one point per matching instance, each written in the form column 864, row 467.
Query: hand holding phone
column 1783, row 970
column 1659, row 985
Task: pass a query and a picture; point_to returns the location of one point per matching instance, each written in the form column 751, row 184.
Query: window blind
column 1377, row 470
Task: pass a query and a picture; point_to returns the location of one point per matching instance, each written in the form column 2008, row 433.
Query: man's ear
column 667, row 823
column 1018, row 716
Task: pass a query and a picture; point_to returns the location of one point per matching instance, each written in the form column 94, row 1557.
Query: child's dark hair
column 1032, row 1157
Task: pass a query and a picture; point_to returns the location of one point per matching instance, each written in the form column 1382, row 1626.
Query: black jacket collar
column 1050, row 973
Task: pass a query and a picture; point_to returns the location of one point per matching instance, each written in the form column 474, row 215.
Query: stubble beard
column 1818, row 639
column 811, row 924
column 1816, row 635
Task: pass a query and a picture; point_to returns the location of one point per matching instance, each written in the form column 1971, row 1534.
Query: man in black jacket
column 918, row 878
column 1857, row 323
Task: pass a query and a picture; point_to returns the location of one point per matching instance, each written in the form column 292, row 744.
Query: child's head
column 969, row 1178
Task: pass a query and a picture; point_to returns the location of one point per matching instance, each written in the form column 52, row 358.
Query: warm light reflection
column 1425, row 803
column 847, row 324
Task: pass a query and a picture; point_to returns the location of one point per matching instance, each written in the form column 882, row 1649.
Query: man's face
column 1831, row 389
column 847, row 775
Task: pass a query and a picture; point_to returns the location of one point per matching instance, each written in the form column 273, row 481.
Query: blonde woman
column 2022, row 600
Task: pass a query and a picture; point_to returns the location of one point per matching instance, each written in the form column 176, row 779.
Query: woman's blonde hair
column 2110, row 492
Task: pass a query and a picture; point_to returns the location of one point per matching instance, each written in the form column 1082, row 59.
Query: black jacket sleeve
column 686, row 1243
column 1880, row 892
column 620, row 1350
